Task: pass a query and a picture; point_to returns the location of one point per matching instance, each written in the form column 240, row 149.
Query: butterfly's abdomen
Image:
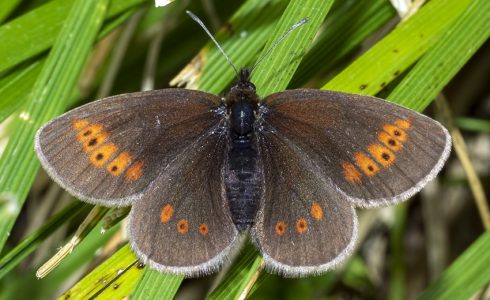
column 243, row 181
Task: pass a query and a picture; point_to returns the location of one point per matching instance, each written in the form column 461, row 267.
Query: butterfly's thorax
column 244, row 177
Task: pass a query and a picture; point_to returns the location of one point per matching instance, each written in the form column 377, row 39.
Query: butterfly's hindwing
column 304, row 225
column 182, row 224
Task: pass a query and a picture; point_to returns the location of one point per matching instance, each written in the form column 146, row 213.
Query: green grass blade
column 275, row 72
column 155, row 285
column 241, row 272
column 468, row 274
column 446, row 58
column 399, row 49
column 15, row 88
column 23, row 38
column 472, row 124
column 6, row 7
column 49, row 287
column 113, row 279
column 18, row 164
column 344, row 31
column 252, row 25
column 29, row 244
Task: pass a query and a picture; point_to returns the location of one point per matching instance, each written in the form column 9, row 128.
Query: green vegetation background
column 55, row 55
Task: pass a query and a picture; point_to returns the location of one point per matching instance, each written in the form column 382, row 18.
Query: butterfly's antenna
column 279, row 40
column 198, row 21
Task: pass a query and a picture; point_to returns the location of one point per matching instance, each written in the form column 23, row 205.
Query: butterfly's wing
column 304, row 225
column 107, row 152
column 375, row 152
column 182, row 224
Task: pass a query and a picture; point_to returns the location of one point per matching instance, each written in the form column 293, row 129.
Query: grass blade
column 113, row 279
column 29, row 244
column 285, row 58
column 153, row 285
column 49, row 97
column 23, row 38
column 468, row 274
column 399, row 49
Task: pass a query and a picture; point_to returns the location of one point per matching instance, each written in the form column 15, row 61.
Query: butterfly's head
column 242, row 91
column 243, row 83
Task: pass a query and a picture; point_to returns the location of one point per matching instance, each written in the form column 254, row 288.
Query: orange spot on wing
column 135, row 171
column 316, row 211
column 351, row 174
column 280, row 228
column 182, row 226
column 100, row 156
column 367, row 165
column 389, row 141
column 301, row 226
column 395, row 132
column 96, row 140
column 167, row 213
column 119, row 163
column 405, row 124
column 88, row 132
column 384, row 156
column 79, row 124
column 203, row 229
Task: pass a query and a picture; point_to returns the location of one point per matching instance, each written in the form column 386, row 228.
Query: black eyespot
column 99, row 156
column 92, row 142
column 385, row 156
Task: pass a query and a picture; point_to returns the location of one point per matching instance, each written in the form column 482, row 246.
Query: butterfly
column 200, row 171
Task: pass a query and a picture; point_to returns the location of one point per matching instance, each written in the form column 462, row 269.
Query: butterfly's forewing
column 374, row 151
column 107, row 152
column 304, row 225
column 182, row 223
